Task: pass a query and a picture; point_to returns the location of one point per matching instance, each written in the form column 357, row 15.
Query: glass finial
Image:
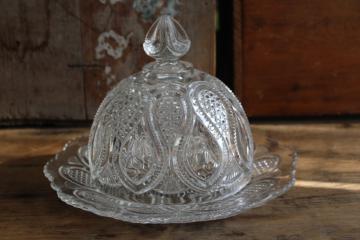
column 166, row 39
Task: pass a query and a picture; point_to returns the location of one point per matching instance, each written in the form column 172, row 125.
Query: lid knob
column 166, row 40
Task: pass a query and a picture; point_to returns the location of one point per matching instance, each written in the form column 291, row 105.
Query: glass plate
column 68, row 172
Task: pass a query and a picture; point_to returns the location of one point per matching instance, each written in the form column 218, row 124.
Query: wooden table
column 325, row 203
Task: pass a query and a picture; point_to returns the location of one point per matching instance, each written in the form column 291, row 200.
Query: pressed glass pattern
column 169, row 144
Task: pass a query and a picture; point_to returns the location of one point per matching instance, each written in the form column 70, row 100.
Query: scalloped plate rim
column 71, row 200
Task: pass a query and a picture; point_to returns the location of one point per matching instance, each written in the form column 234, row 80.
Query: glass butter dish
column 170, row 144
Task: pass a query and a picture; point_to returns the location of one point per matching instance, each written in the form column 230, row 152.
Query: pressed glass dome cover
column 171, row 133
column 168, row 144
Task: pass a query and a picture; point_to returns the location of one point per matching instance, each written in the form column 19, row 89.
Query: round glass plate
column 68, row 173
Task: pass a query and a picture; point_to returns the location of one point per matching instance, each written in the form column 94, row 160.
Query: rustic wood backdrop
column 59, row 58
column 290, row 58
column 298, row 58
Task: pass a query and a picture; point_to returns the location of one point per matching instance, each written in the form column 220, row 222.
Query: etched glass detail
column 69, row 174
column 168, row 144
column 162, row 135
column 204, row 160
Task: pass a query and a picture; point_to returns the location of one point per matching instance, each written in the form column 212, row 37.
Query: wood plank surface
column 38, row 40
column 54, row 65
column 299, row 58
column 324, row 204
column 238, row 48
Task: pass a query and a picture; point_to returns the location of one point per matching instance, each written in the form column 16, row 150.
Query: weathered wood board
column 38, row 40
column 59, row 58
column 323, row 205
column 297, row 58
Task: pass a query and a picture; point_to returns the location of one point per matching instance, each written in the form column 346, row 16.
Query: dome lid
column 170, row 144
column 170, row 135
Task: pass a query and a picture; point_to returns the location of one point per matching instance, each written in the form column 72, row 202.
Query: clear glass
column 171, row 134
column 168, row 144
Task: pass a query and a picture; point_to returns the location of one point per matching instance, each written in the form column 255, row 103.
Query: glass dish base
column 69, row 175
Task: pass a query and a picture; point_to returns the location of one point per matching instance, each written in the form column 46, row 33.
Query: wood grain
column 299, row 58
column 238, row 48
column 38, row 40
column 324, row 204
column 47, row 52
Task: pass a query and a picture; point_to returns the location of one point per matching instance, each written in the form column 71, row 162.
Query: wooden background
column 48, row 60
column 297, row 58
column 290, row 58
